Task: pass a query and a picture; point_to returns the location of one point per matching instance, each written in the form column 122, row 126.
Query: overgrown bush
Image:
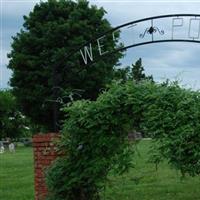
column 173, row 120
column 95, row 139
column 95, row 136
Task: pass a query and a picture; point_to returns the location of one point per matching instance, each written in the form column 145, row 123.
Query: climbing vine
column 94, row 136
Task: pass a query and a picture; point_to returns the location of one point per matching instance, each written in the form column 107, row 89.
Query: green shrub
column 173, row 120
column 95, row 136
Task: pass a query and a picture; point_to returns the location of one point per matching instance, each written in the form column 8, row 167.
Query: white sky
column 167, row 60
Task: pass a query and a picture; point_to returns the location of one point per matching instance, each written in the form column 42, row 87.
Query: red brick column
column 44, row 153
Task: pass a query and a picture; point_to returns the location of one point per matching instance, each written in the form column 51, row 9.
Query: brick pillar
column 44, row 153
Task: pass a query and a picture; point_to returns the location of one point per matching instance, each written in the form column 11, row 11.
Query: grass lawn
column 141, row 183
column 16, row 175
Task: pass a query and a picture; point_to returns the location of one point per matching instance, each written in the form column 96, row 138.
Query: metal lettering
column 113, row 34
column 87, row 53
column 195, row 24
column 176, row 22
column 184, row 28
column 100, row 46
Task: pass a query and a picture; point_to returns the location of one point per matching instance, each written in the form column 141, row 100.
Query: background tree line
column 12, row 122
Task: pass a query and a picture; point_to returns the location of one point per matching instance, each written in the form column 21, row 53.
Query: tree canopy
column 42, row 69
column 134, row 72
column 137, row 72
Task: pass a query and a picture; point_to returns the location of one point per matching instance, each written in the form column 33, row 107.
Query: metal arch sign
column 157, row 29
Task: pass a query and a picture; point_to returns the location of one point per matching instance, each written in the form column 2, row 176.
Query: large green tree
column 45, row 65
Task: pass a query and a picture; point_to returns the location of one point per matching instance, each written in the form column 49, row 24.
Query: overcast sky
column 165, row 60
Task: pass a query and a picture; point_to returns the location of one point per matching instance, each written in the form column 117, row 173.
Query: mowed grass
column 17, row 175
column 142, row 183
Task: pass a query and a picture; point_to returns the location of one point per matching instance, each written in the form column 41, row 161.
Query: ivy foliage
column 173, row 119
column 95, row 136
